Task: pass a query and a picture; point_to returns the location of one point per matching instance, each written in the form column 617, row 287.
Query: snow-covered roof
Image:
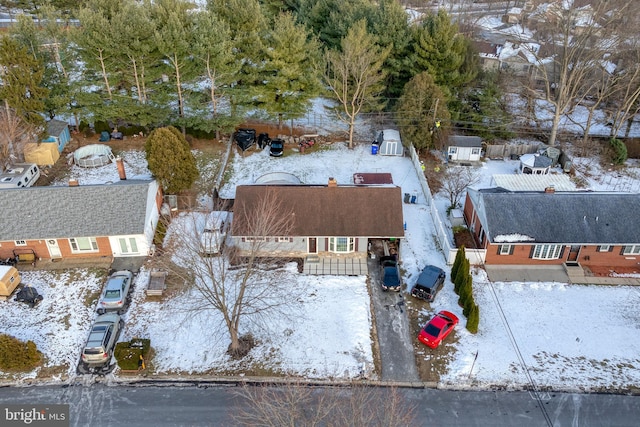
column 530, row 182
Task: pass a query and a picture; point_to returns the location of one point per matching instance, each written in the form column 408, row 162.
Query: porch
column 335, row 265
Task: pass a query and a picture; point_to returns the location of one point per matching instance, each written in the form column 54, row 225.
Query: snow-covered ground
column 569, row 336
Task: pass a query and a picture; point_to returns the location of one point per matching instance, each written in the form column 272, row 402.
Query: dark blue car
column 390, row 273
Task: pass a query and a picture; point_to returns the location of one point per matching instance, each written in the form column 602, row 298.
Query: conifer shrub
column 18, row 356
column 473, row 320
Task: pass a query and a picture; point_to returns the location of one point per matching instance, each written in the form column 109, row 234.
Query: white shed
column 535, row 164
column 389, row 143
column 464, row 148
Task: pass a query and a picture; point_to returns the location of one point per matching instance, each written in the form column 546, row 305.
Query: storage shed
column 389, row 143
column 535, row 164
column 58, row 132
column 463, row 148
column 9, row 279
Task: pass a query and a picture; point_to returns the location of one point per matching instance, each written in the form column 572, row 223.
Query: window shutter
column 355, row 246
column 499, row 249
column 622, row 250
column 511, row 249
column 562, row 252
column 610, row 248
column 533, row 248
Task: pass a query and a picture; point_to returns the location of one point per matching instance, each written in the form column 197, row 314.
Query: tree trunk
column 104, row 74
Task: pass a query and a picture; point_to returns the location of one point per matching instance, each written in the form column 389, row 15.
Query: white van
column 214, row 233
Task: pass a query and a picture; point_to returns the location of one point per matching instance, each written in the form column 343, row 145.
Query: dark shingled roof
column 55, row 127
column 571, row 217
column 82, row 211
column 464, row 141
column 329, row 211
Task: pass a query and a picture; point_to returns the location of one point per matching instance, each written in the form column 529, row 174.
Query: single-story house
column 550, row 227
column 327, row 220
column 58, row 132
column 535, row 164
column 112, row 220
column 462, row 148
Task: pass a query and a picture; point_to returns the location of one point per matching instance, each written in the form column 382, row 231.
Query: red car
column 437, row 329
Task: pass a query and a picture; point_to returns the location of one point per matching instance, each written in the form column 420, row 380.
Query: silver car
column 102, row 340
column 114, row 295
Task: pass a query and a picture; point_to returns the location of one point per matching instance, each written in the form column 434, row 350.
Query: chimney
column 550, row 189
column 332, row 182
column 73, row 183
column 121, row 173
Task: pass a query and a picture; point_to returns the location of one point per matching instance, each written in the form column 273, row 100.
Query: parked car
column 214, row 233
column 29, row 295
column 429, row 283
column 102, row 340
column 390, row 273
column 277, row 147
column 114, row 295
column 437, row 329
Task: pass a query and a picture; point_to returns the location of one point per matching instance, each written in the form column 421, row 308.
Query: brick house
column 549, row 227
column 56, row 222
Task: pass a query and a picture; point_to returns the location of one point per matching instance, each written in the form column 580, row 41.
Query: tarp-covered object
column 43, row 154
column 245, row 138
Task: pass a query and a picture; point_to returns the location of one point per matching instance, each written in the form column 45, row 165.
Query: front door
column 313, row 245
column 54, row 249
column 573, row 254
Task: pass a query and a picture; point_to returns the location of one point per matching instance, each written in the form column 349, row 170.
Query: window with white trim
column 254, row 239
column 341, row 244
column 547, row 251
column 505, row 250
column 284, row 239
column 83, row 244
column 631, row 250
column 453, row 150
column 20, row 243
column 604, row 248
column 475, row 151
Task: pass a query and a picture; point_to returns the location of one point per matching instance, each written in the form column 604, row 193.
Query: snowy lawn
column 568, row 336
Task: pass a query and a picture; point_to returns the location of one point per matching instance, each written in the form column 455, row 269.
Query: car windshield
column 112, row 294
column 432, row 330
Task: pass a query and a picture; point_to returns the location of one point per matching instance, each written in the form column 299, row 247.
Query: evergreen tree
column 442, row 51
column 468, row 301
column 170, row 159
column 465, row 292
column 473, row 320
column 354, row 76
column 461, row 275
column 421, row 111
column 460, row 255
column 331, row 20
column 289, row 74
column 22, row 87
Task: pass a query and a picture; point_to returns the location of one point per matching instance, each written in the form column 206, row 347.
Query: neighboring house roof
column 327, row 210
column 530, row 182
column 464, row 141
column 56, row 127
column 571, row 218
column 76, row 211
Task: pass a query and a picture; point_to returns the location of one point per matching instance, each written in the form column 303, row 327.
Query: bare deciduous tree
column 297, row 404
column 354, row 75
column 14, row 134
column 236, row 283
column 455, row 181
column 572, row 44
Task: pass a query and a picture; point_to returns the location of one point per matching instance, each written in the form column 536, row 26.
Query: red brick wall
column 41, row 250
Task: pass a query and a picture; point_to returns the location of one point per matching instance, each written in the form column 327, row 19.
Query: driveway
column 397, row 356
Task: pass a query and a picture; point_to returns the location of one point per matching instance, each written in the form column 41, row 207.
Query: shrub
column 619, row 155
column 461, row 275
column 18, row 356
column 128, row 353
column 456, row 263
column 100, row 126
column 465, row 292
column 474, row 319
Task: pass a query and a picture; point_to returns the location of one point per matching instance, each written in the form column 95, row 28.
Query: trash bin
column 407, row 197
column 374, row 148
column 414, row 198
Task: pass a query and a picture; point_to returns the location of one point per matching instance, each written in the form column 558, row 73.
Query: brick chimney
column 550, row 189
column 332, row 182
column 121, row 173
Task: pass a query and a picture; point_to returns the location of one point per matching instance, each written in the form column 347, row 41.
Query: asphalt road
column 392, row 325
column 102, row 405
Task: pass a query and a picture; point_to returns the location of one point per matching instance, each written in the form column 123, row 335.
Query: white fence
column 442, row 232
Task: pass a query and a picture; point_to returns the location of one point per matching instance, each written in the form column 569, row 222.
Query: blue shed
column 58, row 132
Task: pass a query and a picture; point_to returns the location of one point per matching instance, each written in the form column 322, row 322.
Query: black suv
column 429, row 283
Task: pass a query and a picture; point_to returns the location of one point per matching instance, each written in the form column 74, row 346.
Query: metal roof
column 530, row 182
